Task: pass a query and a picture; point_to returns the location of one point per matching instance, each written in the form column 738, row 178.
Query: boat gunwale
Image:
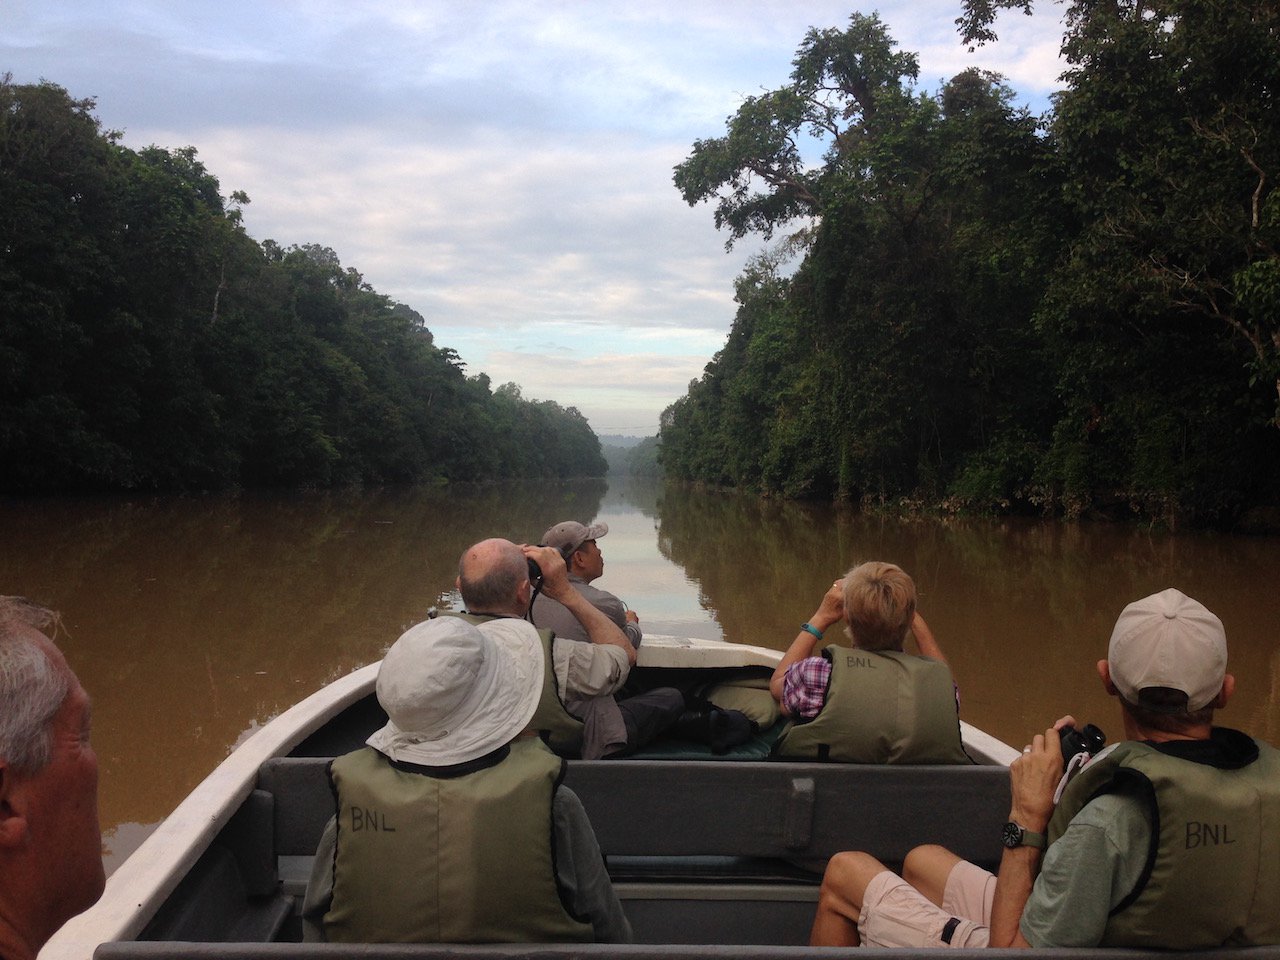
column 161, row 861
column 167, row 855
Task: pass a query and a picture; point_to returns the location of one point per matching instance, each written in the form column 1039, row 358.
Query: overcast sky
column 502, row 167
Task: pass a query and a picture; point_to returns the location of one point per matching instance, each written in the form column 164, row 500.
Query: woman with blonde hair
column 871, row 701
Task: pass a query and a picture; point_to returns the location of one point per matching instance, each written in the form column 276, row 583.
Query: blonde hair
column 879, row 605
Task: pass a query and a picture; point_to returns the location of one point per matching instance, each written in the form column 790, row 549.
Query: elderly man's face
column 61, row 806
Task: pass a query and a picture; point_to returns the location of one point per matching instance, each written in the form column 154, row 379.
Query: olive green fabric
column 1214, row 867
column 750, row 696
column 881, row 707
column 557, row 726
column 465, row 859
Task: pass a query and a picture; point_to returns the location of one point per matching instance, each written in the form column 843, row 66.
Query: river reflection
column 192, row 621
column 1022, row 610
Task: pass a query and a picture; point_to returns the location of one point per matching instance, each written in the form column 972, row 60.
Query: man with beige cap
column 1168, row 839
column 451, row 826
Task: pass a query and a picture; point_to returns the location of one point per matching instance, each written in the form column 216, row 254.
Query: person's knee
column 927, row 867
column 923, row 858
column 847, row 876
column 671, row 699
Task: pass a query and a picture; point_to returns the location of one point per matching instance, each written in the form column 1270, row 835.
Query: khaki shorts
column 895, row 914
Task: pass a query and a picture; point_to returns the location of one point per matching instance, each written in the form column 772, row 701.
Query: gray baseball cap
column 570, row 535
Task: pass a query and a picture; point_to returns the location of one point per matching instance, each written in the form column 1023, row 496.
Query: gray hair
column 32, row 686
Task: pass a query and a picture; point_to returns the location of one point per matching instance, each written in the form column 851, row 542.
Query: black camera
column 1088, row 740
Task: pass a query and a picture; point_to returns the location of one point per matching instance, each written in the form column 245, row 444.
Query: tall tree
column 897, row 348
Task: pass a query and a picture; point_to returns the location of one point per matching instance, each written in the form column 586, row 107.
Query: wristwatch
column 1014, row 835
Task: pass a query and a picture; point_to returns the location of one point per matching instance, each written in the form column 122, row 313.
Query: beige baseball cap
column 1168, row 640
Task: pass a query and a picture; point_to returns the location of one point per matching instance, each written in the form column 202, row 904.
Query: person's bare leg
column 844, row 885
column 927, row 867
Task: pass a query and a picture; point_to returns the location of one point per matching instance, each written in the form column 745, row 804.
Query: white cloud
column 504, row 168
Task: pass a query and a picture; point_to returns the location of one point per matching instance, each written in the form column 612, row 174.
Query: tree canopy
column 995, row 311
column 147, row 342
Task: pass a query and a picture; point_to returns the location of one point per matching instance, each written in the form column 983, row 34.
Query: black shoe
column 692, row 725
column 728, row 729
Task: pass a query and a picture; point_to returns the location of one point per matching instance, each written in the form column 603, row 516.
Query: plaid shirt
column 804, row 686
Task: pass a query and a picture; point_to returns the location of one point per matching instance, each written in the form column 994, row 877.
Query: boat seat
column 738, row 882
column 800, row 813
column 125, row 950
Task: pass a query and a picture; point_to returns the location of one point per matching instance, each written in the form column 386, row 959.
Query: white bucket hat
column 453, row 694
column 1168, row 640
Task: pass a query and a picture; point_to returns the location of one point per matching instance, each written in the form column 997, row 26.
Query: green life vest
column 881, row 707
column 561, row 730
column 1213, row 869
column 465, row 859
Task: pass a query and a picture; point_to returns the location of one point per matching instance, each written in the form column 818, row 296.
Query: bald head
column 493, row 577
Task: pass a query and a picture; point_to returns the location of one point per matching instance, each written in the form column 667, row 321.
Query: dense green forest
column 147, row 342
column 1076, row 314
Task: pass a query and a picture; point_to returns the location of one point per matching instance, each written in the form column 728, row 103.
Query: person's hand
column 831, row 610
column 555, row 576
column 1033, row 778
column 632, row 617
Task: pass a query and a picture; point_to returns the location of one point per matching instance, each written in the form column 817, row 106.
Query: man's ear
column 13, row 824
column 1104, row 671
column 1228, row 690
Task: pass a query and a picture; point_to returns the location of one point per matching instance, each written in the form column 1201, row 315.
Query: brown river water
column 194, row 620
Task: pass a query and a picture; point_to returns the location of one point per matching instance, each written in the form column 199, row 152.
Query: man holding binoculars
column 1169, row 839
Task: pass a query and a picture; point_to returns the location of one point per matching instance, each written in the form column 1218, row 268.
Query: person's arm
column 926, row 642
column 319, row 893
column 615, row 609
column 1107, row 843
column 581, row 873
column 828, row 613
column 632, row 627
column 556, row 585
column 1033, row 777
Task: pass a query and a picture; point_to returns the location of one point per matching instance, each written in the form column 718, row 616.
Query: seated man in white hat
column 451, row 826
column 1169, row 839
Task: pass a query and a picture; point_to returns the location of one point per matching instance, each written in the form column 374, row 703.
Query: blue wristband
column 810, row 628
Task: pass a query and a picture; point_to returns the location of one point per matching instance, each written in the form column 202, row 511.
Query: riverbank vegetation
column 147, row 342
column 1073, row 314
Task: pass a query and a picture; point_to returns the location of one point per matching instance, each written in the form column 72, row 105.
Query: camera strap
column 537, row 589
column 1074, row 766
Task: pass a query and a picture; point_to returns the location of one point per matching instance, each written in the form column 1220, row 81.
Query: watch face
column 1011, row 835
